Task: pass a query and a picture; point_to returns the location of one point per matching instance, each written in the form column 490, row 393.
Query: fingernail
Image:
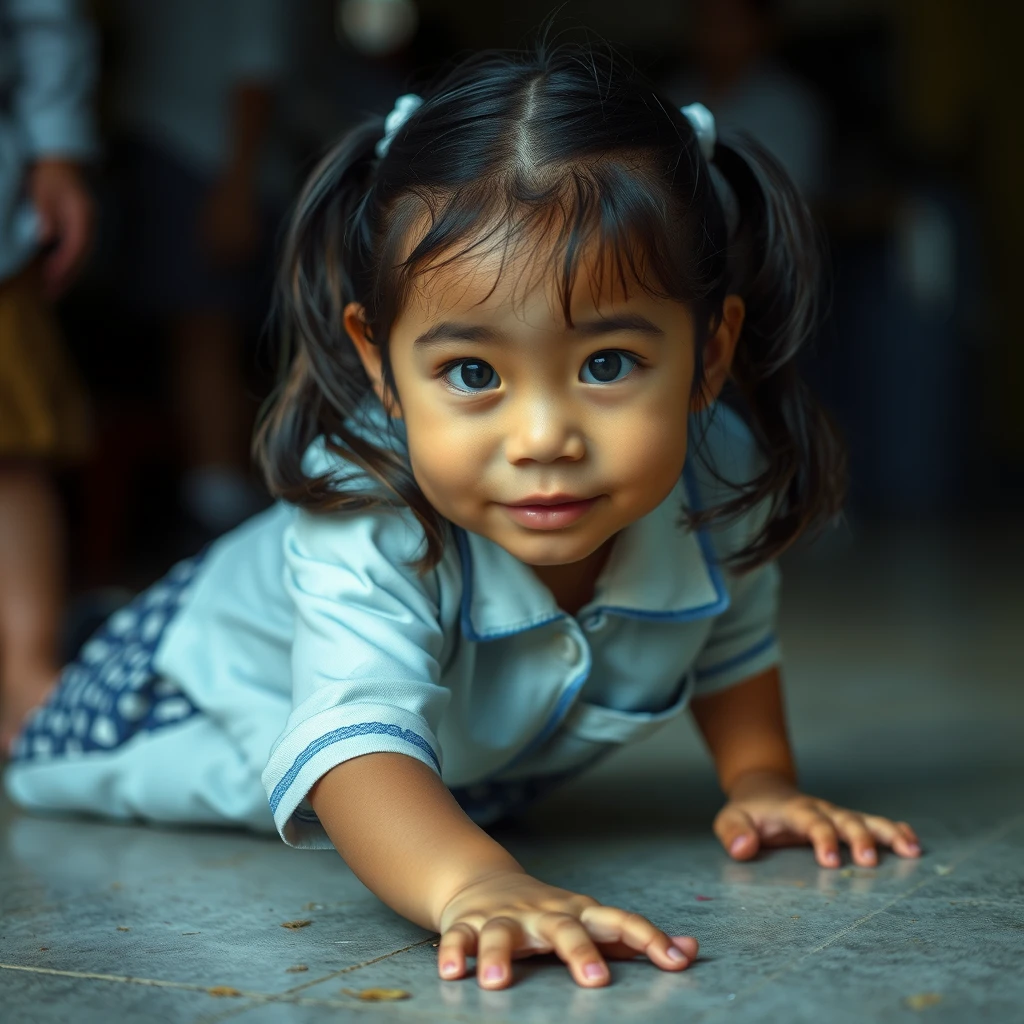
column 494, row 973
column 913, row 848
column 593, row 971
column 675, row 953
column 831, row 858
column 869, row 856
column 737, row 844
column 448, row 968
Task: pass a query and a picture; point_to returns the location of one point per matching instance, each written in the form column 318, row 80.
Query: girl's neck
column 573, row 585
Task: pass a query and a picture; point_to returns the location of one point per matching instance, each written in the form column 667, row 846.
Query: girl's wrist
column 485, row 872
column 761, row 780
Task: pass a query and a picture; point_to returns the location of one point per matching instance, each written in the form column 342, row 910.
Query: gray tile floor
column 903, row 666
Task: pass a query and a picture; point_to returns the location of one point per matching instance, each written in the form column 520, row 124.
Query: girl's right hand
column 510, row 915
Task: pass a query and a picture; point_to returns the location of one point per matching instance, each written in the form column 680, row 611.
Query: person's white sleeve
column 259, row 45
column 743, row 640
column 365, row 657
column 55, row 49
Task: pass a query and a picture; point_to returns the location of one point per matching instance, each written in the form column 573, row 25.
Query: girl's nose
column 544, row 430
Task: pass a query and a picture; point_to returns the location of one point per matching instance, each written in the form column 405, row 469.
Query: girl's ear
column 719, row 350
column 354, row 319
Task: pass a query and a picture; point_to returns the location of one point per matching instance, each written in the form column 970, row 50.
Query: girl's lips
column 549, row 517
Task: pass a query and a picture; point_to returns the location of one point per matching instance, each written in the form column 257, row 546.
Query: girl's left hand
column 765, row 809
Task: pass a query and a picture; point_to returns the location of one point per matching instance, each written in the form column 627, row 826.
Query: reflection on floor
column 903, row 671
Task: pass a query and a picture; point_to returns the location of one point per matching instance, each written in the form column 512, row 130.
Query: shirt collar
column 658, row 570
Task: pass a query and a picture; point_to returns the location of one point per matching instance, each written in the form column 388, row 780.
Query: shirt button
column 595, row 622
column 570, row 648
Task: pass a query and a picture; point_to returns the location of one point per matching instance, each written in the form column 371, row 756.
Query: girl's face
column 503, row 402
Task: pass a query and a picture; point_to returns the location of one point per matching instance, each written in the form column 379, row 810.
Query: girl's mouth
column 549, row 517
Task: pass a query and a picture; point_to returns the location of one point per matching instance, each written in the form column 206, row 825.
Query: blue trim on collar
column 722, row 602
column 716, row 607
column 466, row 558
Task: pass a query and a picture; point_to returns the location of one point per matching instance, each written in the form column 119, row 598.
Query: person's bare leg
column 31, row 591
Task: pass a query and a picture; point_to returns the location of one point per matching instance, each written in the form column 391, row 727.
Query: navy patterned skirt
column 110, row 691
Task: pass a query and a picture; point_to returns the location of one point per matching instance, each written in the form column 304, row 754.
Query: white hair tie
column 403, row 108
column 703, row 122
column 697, row 114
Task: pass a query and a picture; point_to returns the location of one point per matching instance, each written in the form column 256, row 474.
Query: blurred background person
column 200, row 177
column 47, row 70
column 733, row 69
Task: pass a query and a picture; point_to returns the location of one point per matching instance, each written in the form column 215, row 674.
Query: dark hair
column 569, row 137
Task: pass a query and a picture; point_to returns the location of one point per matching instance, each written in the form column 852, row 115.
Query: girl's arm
column 403, row 834
column 744, row 727
column 405, row 837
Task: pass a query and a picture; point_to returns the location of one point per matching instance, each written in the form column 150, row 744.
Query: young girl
column 520, row 526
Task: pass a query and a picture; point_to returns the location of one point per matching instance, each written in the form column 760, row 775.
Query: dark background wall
column 918, row 189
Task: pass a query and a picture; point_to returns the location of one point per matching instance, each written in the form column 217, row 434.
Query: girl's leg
column 31, row 591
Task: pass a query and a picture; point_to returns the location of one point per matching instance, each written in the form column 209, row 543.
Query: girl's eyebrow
column 450, row 330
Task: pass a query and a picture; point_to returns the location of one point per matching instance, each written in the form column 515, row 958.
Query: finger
column 610, row 924
column 71, row 235
column 819, row 830
column 856, row 834
column 77, row 227
column 572, row 942
column 909, row 845
column 897, row 834
column 45, row 223
column 737, row 833
column 459, row 942
column 497, row 939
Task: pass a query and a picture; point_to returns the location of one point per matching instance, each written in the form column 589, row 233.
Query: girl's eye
column 473, row 375
column 606, row 366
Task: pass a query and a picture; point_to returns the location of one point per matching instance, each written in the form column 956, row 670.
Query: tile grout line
column 287, row 995
column 791, row 965
column 262, row 997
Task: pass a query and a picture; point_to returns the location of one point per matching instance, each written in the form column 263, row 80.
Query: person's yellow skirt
column 44, row 411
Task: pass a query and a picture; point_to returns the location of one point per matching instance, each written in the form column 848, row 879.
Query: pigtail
column 325, row 265
column 329, row 260
column 775, row 263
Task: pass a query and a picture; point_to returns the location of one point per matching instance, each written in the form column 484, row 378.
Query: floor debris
column 295, row 924
column 377, row 995
column 223, row 991
column 923, row 1000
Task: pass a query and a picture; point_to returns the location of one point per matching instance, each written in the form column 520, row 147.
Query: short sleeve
column 743, row 640
column 365, row 657
column 55, row 47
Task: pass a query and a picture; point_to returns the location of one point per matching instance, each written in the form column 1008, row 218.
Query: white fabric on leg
column 190, row 773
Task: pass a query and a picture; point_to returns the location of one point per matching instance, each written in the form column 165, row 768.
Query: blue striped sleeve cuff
column 310, row 749
column 726, row 665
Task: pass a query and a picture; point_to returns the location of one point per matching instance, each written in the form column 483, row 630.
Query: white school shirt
column 310, row 641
